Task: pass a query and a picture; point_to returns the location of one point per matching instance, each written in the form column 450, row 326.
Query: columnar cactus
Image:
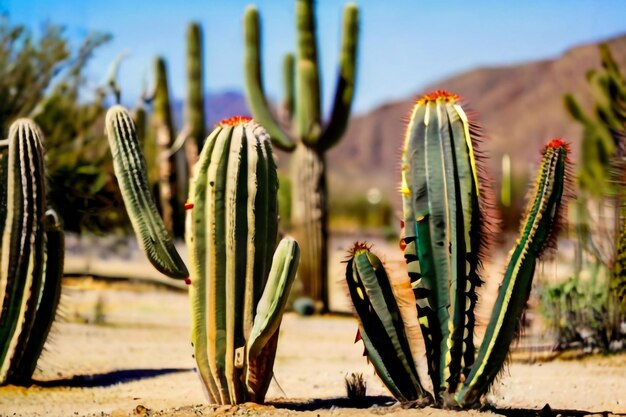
column 239, row 280
column 194, row 107
column 304, row 119
column 175, row 166
column 171, row 167
column 31, row 254
column 445, row 234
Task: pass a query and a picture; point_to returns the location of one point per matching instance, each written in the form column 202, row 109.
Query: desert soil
column 112, row 333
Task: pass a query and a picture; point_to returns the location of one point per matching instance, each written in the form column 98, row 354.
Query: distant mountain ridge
column 519, row 107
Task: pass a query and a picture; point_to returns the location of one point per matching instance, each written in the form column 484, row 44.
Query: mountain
column 519, row 107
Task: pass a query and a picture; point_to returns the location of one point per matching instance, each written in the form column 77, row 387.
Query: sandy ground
column 144, row 331
column 123, row 349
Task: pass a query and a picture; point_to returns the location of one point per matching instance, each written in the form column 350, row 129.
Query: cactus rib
column 130, row 169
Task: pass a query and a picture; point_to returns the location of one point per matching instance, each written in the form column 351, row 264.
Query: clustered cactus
column 31, row 254
column 239, row 280
column 445, row 234
column 300, row 127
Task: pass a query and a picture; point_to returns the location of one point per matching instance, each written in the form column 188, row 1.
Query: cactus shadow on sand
column 105, row 379
column 389, row 402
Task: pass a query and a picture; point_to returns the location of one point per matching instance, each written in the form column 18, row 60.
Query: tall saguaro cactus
column 240, row 279
column 304, row 129
column 444, row 239
column 31, row 254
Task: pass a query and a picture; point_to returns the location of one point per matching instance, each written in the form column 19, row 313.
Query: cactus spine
column 445, row 233
column 31, row 254
column 302, row 111
column 239, row 282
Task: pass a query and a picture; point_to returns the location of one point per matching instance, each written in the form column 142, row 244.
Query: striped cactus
column 445, row 234
column 239, row 284
column 31, row 254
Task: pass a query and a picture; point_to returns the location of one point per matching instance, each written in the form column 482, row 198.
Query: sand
column 111, row 334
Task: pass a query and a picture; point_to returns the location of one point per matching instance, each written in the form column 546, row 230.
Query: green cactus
column 172, row 167
column 239, row 284
column 445, row 234
column 31, row 254
column 305, row 132
column 194, row 108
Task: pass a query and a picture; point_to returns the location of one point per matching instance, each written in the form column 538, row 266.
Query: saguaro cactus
column 31, row 254
column 239, row 282
column 444, row 237
column 305, row 131
column 171, row 166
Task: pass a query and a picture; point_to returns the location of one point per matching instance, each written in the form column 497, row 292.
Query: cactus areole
column 239, row 278
column 445, row 233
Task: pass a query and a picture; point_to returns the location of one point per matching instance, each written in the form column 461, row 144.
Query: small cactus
column 445, row 234
column 31, row 254
column 240, row 279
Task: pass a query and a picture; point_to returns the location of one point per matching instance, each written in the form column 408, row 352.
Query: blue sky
column 404, row 44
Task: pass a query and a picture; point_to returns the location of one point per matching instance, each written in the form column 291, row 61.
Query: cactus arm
column 254, row 84
column 272, row 303
column 308, row 123
column 288, row 85
column 573, row 108
column 308, row 102
column 194, row 110
column 48, row 300
column 130, row 169
column 22, row 247
column 538, row 232
column 381, row 326
column 344, row 92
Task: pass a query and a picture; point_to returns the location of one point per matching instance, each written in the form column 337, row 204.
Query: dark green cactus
column 239, row 280
column 305, row 131
column 445, row 233
column 31, row 254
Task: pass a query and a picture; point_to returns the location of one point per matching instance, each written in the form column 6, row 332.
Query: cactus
column 31, row 254
column 174, row 166
column 301, row 112
column 445, row 234
column 171, row 166
column 239, row 284
column 194, row 108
